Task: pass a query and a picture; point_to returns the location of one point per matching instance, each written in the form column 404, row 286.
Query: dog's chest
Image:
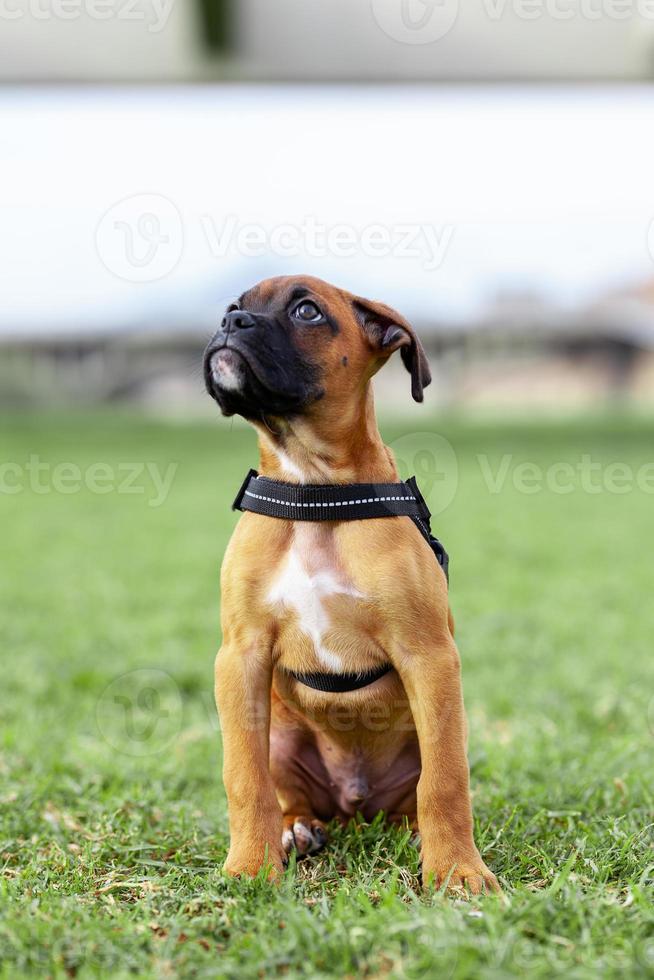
column 312, row 593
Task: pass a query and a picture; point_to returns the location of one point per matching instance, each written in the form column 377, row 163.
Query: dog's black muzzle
column 277, row 378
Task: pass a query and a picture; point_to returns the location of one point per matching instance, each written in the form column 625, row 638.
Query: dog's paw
column 461, row 877
column 249, row 862
column 306, row 835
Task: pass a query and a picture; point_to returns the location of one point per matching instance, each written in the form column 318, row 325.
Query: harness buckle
column 425, row 512
column 238, row 499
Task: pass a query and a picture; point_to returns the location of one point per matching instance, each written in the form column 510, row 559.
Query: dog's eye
column 307, row 312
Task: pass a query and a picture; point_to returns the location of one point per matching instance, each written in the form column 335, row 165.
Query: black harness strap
column 329, row 502
column 340, row 683
column 340, row 502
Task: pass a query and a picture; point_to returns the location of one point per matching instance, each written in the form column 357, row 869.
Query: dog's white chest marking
column 288, row 465
column 304, row 592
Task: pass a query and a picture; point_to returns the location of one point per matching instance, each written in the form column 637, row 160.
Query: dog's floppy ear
column 387, row 331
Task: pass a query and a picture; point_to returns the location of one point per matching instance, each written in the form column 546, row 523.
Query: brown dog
column 295, row 357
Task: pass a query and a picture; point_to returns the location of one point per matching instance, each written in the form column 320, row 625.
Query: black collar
column 339, row 502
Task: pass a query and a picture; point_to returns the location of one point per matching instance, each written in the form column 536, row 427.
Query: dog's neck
column 341, row 446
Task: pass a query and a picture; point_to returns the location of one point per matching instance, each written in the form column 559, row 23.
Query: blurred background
column 486, row 168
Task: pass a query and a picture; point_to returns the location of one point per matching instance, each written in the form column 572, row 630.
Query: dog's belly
column 350, row 752
column 339, row 787
column 359, row 783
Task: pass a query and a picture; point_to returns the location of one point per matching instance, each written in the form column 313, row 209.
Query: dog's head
column 293, row 343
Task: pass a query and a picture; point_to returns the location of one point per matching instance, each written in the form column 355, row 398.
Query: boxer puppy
column 295, row 357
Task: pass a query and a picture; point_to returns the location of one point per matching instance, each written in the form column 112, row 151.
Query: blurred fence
column 520, row 354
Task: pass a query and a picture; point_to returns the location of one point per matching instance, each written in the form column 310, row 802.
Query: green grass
column 113, row 824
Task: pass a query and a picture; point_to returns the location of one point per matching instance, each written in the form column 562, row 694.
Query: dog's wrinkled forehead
column 278, row 294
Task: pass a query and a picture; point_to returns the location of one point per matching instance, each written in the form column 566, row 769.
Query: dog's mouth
column 226, row 369
column 232, row 368
column 244, row 384
column 232, row 381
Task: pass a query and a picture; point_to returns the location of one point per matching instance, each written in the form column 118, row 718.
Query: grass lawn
column 113, row 823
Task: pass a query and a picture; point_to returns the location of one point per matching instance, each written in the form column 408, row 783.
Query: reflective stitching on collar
column 340, row 503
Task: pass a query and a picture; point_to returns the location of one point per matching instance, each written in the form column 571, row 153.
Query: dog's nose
column 237, row 320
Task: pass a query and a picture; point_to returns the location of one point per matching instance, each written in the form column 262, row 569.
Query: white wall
column 136, row 206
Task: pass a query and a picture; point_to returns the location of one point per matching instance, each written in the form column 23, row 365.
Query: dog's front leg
column 243, row 680
column 431, row 675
